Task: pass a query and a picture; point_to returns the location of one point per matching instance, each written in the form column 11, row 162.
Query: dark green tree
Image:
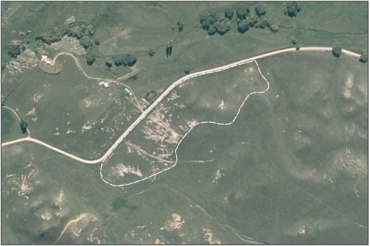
column 14, row 48
column 90, row 58
column 187, row 71
column 169, row 49
column 212, row 30
column 97, row 42
column 229, row 13
column 222, row 25
column 180, row 25
column 109, row 62
column 294, row 41
column 337, row 50
column 292, row 9
column 364, row 56
column 272, row 25
column 243, row 26
column 120, row 60
column 131, row 60
column 86, row 42
column 75, row 31
column 151, row 53
column 260, row 9
column 24, row 126
column 242, row 13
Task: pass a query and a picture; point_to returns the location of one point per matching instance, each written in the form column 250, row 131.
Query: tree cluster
column 213, row 23
column 124, row 60
column 83, row 33
column 246, row 19
column 292, row 9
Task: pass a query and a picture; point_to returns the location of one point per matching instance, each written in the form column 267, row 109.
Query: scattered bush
column 151, row 53
column 364, row 56
column 337, row 50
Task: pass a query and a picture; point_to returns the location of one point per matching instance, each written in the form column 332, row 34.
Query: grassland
column 67, row 109
column 291, row 169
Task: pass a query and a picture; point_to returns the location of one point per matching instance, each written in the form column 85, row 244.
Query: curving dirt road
column 161, row 97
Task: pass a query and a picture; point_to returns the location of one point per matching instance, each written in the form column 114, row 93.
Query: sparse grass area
column 67, row 109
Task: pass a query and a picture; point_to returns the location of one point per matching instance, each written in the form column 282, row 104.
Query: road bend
column 162, row 96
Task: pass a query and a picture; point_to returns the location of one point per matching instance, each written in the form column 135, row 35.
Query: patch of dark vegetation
column 180, row 26
column 292, row 9
column 151, row 53
column 123, row 203
column 14, row 48
column 337, row 50
column 245, row 19
column 24, row 126
column 213, row 23
column 169, row 49
column 364, row 56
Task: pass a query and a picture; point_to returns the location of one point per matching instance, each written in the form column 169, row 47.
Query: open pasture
column 66, row 109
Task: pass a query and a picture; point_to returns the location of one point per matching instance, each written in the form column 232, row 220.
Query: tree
column 187, row 71
column 109, row 61
column 294, row 41
column 261, row 23
column 222, row 25
column 75, row 31
column 337, row 50
column 292, row 8
column 243, row 26
column 364, row 56
column 297, row 46
column 229, row 13
column 89, row 30
column 260, row 9
column 242, row 13
column 272, row 25
column 131, row 60
column 90, row 58
column 24, row 126
column 151, row 52
column 212, row 30
column 14, row 48
column 169, row 48
column 120, row 60
column 86, row 42
column 180, row 25
column 97, row 42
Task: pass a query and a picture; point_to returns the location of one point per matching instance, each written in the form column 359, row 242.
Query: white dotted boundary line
column 203, row 122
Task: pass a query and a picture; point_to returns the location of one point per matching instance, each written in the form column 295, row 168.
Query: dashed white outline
column 199, row 123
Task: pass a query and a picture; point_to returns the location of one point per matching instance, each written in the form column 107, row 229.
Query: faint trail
column 77, row 62
column 199, row 123
column 80, row 217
